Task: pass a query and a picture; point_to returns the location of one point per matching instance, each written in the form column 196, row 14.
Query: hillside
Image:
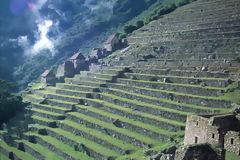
column 74, row 24
column 136, row 104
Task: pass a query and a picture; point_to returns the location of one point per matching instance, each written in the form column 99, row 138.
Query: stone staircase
column 183, row 63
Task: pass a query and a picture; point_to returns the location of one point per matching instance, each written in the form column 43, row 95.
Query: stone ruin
column 221, row 131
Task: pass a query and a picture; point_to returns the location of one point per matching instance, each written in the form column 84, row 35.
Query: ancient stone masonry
column 48, row 77
column 217, row 130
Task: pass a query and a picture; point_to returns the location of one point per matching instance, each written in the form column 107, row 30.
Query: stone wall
column 232, row 142
column 196, row 130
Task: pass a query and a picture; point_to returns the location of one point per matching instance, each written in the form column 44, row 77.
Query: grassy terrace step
column 4, row 147
column 72, row 93
column 64, row 104
column 84, row 82
column 145, row 107
column 135, row 126
column 90, row 147
column 164, row 102
column 49, row 108
column 47, row 114
column 3, row 157
column 221, row 15
column 212, row 82
column 44, row 121
column 102, row 75
column 196, row 25
column 110, row 71
column 34, row 149
column 190, row 34
column 110, row 129
column 140, row 116
column 220, row 20
column 33, row 98
column 184, row 73
column 194, row 31
column 106, row 140
column 59, row 147
column 77, row 87
column 155, row 42
column 146, row 118
column 94, row 79
column 181, row 88
column 212, row 102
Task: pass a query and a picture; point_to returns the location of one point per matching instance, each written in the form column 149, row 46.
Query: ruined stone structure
column 66, row 69
column 79, row 62
column 218, row 130
column 48, row 77
column 112, row 43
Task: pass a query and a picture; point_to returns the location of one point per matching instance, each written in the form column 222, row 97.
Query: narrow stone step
column 64, row 104
column 44, row 121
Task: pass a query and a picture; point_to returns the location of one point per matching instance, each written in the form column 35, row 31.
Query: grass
column 17, row 152
column 37, row 86
column 3, row 157
column 46, row 120
column 231, row 156
column 89, row 144
column 168, row 101
column 143, row 104
column 233, row 93
column 53, row 114
column 173, row 84
column 110, row 126
column 42, row 150
column 143, row 114
column 61, row 146
column 130, row 121
column 100, row 135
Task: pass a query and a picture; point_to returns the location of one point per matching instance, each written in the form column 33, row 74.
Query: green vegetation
column 10, row 104
column 231, row 156
column 156, row 11
column 232, row 93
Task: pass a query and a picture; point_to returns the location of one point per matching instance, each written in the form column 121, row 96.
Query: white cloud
column 44, row 25
column 44, row 41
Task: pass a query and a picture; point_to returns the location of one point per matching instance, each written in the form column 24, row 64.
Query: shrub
column 9, row 103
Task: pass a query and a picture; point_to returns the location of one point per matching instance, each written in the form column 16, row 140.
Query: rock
column 204, row 68
column 117, row 123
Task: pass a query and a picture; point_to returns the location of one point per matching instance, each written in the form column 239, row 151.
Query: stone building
column 217, row 130
column 78, row 61
column 48, row 77
column 112, row 43
column 66, row 69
